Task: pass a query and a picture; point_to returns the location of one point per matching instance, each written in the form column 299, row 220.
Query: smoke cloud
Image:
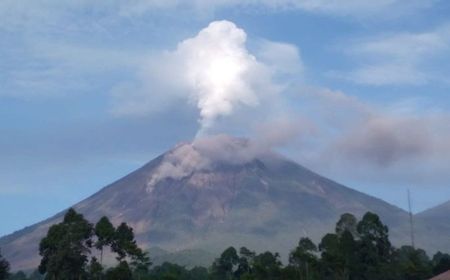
column 216, row 72
column 403, row 144
column 385, row 140
column 246, row 91
column 205, row 153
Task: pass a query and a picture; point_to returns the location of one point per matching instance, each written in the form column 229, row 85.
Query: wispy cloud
column 399, row 59
column 74, row 55
column 49, row 69
column 21, row 14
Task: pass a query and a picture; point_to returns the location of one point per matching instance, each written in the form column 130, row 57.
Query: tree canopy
column 67, row 250
column 356, row 250
column 4, row 268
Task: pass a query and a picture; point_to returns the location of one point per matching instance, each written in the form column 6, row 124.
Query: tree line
column 356, row 250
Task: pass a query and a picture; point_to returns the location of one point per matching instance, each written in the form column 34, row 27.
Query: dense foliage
column 357, row 250
column 67, row 250
column 4, row 268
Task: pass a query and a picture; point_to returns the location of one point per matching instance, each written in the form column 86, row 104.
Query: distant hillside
column 432, row 228
column 188, row 258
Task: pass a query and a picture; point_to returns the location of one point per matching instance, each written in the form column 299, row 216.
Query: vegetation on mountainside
column 4, row 268
column 356, row 250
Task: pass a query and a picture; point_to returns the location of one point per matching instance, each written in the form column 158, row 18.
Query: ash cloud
column 361, row 132
column 353, row 141
column 203, row 154
column 385, row 141
column 259, row 93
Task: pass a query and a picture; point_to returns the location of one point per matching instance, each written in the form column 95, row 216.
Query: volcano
column 215, row 192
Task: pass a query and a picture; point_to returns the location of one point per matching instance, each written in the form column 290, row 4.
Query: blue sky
column 91, row 91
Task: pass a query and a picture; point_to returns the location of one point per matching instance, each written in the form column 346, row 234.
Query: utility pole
column 411, row 221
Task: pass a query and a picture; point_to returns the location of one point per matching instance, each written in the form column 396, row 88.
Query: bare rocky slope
column 207, row 195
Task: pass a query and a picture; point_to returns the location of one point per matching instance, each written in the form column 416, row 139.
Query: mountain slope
column 214, row 193
column 438, row 213
column 432, row 228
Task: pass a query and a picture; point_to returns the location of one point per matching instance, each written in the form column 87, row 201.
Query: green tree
column 124, row 243
column 374, row 248
column 441, row 263
column 412, row 264
column 36, row 275
column 19, row 275
column 339, row 251
column 331, row 262
column 4, row 268
column 348, row 249
column 168, row 271
column 303, row 258
column 290, row 272
column 66, row 247
column 120, row 272
column 347, row 222
column 141, row 263
column 197, row 273
column 105, row 232
column 226, row 265
column 95, row 270
column 245, row 263
column 267, row 266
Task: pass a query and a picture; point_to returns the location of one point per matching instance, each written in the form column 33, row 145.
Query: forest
column 74, row 249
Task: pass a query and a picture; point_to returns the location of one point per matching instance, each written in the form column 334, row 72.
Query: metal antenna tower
column 411, row 220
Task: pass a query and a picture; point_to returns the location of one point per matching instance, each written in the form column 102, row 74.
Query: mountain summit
column 213, row 193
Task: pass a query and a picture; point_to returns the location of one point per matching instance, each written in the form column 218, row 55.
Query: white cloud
column 34, row 15
column 356, row 8
column 284, row 59
column 213, row 70
column 391, row 73
column 218, row 69
column 58, row 69
column 399, row 59
column 66, row 66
